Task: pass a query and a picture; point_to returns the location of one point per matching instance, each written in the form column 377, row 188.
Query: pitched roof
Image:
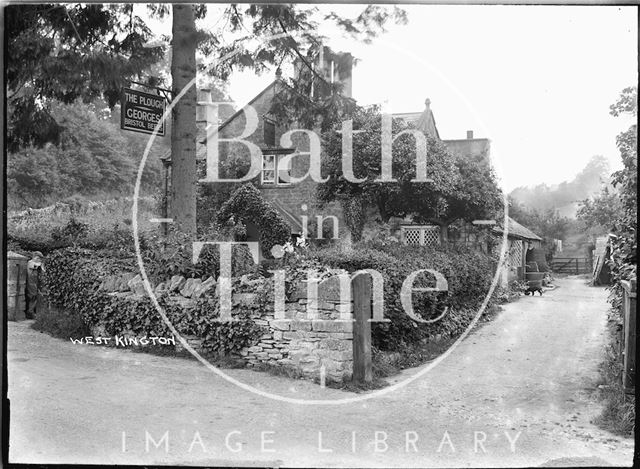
column 516, row 230
column 424, row 121
column 292, row 221
column 201, row 150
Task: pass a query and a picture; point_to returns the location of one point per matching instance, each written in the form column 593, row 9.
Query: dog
column 533, row 290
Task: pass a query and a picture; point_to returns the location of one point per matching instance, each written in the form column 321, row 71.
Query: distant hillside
column 565, row 196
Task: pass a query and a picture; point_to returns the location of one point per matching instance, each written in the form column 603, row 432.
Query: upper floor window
column 269, row 133
column 275, row 170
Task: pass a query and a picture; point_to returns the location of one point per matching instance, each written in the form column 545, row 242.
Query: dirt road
column 515, row 392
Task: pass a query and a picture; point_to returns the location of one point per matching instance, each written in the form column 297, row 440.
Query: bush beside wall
column 468, row 274
column 73, row 278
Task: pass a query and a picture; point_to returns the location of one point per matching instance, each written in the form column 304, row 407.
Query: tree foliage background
column 94, row 158
column 63, row 53
column 624, row 247
column 80, row 54
column 461, row 188
column 587, row 182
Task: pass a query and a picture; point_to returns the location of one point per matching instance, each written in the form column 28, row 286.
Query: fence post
column 629, row 312
column 362, row 367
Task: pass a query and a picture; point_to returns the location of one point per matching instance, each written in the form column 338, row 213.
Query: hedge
column 72, row 281
column 468, row 274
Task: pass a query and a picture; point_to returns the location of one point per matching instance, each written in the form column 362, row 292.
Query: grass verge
column 619, row 413
column 60, row 324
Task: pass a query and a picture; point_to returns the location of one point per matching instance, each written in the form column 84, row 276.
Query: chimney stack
column 469, row 134
column 203, row 96
column 333, row 67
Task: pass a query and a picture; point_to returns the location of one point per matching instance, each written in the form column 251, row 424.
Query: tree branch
column 73, row 25
column 295, row 49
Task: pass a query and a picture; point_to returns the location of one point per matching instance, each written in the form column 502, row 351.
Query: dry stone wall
column 313, row 334
column 309, row 336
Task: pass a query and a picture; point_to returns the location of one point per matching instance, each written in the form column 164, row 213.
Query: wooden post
column 629, row 305
column 577, row 267
column 362, row 367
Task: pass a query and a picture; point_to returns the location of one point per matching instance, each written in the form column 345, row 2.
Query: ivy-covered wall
column 304, row 337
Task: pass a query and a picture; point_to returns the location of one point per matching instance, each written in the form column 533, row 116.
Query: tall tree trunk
column 353, row 209
column 183, row 135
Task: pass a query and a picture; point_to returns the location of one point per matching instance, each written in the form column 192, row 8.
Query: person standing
column 35, row 269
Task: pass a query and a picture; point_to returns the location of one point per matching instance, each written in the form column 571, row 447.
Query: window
column 427, row 235
column 276, row 170
column 269, row 133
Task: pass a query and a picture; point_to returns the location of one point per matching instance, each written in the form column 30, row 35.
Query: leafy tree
column 264, row 20
column 588, row 182
column 624, row 246
column 600, row 212
column 548, row 224
column 460, row 188
column 88, row 51
column 68, row 52
column 94, row 157
column 30, row 179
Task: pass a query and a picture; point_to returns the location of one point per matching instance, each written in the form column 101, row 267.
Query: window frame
column 277, row 157
column 270, row 122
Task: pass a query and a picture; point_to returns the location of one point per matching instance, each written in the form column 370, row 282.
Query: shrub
column 247, row 205
column 61, row 323
column 72, row 279
column 173, row 255
column 92, row 225
column 618, row 412
column 31, row 243
column 73, row 232
column 468, row 274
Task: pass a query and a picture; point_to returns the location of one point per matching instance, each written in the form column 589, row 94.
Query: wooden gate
column 571, row 265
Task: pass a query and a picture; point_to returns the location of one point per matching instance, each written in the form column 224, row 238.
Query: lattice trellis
column 515, row 253
column 412, row 236
column 431, row 235
column 421, row 235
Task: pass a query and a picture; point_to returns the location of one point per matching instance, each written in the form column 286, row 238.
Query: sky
column 536, row 80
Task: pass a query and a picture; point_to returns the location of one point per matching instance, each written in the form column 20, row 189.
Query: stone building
column 296, row 202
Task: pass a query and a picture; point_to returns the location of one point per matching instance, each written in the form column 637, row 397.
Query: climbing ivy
column 246, row 205
column 73, row 278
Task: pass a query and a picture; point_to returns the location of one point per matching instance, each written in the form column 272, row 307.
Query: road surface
column 518, row 391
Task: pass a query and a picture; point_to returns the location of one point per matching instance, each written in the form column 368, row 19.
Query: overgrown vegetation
column 93, row 158
column 587, row 182
column 247, row 206
column 618, row 415
column 468, row 274
column 621, row 219
column 74, row 274
column 79, row 222
column 63, row 323
column 459, row 188
column 72, row 280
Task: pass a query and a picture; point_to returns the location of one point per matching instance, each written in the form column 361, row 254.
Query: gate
column 571, row 265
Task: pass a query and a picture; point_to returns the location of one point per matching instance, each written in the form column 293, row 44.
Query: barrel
column 534, row 279
column 538, row 255
column 16, row 286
